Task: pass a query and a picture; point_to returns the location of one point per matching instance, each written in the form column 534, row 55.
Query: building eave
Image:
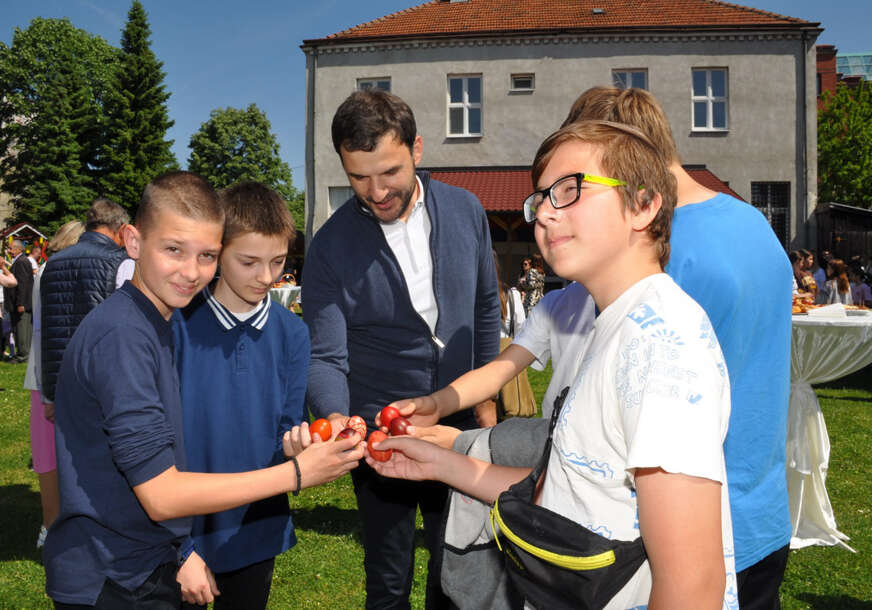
column 716, row 30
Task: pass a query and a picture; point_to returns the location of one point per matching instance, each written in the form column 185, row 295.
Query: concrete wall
column 766, row 140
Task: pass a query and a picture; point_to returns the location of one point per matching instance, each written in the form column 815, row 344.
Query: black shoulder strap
column 511, row 300
column 543, row 461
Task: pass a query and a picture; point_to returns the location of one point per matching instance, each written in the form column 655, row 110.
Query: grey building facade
column 741, row 98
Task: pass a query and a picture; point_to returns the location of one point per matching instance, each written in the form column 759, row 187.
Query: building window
column 625, row 79
column 464, row 105
column 338, row 196
column 710, row 99
column 366, row 84
column 523, row 82
column 773, row 200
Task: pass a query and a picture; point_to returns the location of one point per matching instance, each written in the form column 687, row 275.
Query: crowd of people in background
column 827, row 280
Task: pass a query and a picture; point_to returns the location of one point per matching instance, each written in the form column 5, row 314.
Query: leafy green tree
column 53, row 79
column 137, row 116
column 845, row 146
column 235, row 145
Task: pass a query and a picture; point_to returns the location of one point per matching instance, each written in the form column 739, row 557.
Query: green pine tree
column 52, row 80
column 58, row 188
column 137, row 117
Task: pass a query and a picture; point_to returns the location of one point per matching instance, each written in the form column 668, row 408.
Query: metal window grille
column 773, row 200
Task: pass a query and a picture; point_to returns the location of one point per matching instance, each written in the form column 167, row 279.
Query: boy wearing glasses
column 638, row 445
column 740, row 275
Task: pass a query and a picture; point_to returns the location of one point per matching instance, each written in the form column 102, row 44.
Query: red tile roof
column 504, row 190
column 710, row 181
column 499, row 190
column 440, row 18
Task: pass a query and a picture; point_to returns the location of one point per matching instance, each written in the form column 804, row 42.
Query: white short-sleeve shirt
column 652, row 391
column 558, row 328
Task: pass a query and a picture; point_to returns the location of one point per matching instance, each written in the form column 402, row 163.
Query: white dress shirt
column 410, row 243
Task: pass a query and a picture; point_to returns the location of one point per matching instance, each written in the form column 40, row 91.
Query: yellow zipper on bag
column 569, row 562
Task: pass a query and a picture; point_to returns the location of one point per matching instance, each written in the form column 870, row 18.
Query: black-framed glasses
column 564, row 192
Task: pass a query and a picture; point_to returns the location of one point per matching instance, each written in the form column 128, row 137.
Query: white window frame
column 337, row 196
column 373, row 83
column 627, row 72
column 517, row 89
column 465, row 104
column 710, row 99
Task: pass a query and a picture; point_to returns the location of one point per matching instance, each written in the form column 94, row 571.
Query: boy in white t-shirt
column 638, row 445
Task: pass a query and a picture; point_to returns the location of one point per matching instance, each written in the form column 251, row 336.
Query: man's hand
column 420, row 411
column 198, row 583
column 443, row 436
column 337, row 423
column 48, row 411
column 324, row 462
column 20, row 309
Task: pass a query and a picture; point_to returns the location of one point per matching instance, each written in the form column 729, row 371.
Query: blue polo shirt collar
column 228, row 321
column 161, row 325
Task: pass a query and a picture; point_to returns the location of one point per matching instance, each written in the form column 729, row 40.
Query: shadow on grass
column 858, row 380
column 333, row 521
column 834, row 602
column 328, row 520
column 20, row 511
column 848, row 397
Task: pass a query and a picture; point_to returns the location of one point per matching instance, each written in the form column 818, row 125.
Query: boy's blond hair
column 252, row 207
column 635, row 107
column 628, row 155
column 183, row 193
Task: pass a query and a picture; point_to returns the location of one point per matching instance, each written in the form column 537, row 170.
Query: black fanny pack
column 553, row 561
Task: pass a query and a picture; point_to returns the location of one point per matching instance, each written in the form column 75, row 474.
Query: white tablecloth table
column 285, row 295
column 822, row 349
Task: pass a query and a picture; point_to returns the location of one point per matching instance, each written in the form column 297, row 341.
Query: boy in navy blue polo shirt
column 243, row 361
column 125, row 498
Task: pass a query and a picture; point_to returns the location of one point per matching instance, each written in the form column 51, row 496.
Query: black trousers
column 243, row 589
column 387, row 509
column 759, row 583
column 159, row 592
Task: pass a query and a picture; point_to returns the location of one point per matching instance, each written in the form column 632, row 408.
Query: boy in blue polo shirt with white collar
column 243, row 361
column 126, row 496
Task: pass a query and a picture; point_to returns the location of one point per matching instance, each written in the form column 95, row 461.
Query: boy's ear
column 132, row 240
column 648, row 205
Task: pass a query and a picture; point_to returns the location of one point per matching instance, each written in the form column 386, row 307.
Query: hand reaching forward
column 326, row 461
column 413, row 459
column 420, row 411
column 443, row 436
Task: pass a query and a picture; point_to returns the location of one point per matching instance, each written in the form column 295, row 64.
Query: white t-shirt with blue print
column 651, row 391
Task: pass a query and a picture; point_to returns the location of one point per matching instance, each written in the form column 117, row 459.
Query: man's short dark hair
column 365, row 116
column 105, row 213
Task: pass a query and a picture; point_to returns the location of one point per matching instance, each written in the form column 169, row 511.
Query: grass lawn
column 325, row 569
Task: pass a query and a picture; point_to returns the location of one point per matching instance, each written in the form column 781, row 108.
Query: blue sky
column 221, row 53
